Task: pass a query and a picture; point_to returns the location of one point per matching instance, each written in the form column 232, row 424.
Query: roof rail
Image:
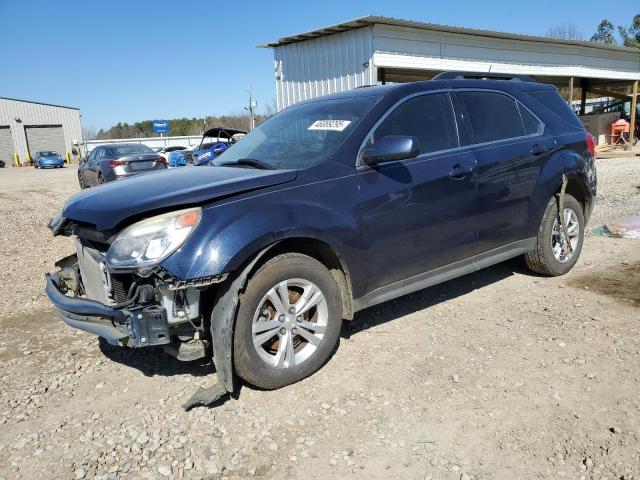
column 482, row 76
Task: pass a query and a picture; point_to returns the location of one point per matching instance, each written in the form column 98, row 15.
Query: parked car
column 165, row 151
column 48, row 159
column 177, row 158
column 222, row 138
column 117, row 161
column 331, row 206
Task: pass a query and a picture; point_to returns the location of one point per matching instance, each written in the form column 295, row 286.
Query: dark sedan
column 113, row 162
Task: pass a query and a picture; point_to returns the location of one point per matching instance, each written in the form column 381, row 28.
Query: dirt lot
column 501, row 374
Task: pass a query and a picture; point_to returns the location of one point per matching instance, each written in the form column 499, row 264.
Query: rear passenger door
column 421, row 213
column 511, row 149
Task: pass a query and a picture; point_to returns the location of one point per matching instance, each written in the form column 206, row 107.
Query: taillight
column 161, row 160
column 117, row 163
column 591, row 145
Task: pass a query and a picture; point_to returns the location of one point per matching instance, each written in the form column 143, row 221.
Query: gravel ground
column 500, row 374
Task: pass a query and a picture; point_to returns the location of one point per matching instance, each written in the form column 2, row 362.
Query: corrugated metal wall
column 324, row 65
column 419, row 49
column 20, row 114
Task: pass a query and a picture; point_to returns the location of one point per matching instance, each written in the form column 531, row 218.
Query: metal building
column 374, row 50
column 29, row 127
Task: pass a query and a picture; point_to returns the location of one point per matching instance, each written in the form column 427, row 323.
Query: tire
column 543, row 260
column 100, row 179
column 257, row 365
column 81, row 181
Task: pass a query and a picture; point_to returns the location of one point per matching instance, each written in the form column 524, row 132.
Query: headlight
column 148, row 242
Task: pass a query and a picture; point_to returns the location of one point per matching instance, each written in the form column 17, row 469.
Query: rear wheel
column 552, row 255
column 81, row 181
column 100, row 179
column 288, row 321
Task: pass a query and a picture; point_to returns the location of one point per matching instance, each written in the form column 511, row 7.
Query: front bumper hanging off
column 136, row 326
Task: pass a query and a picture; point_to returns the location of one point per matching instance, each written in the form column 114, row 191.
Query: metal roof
column 373, row 20
column 38, row 103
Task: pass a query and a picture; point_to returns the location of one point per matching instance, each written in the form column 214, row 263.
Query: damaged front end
column 137, row 304
column 126, row 309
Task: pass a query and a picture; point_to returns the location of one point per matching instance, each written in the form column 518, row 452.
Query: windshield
column 48, row 154
column 129, row 150
column 300, row 136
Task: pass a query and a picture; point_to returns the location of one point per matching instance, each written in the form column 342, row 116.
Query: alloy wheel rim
column 290, row 322
column 559, row 244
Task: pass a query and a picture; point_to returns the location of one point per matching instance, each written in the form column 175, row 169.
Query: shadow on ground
column 154, row 361
column 431, row 296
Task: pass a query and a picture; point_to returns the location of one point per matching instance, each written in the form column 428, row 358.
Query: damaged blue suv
column 331, row 206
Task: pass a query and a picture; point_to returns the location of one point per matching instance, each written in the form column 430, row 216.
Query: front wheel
column 552, row 255
column 288, row 321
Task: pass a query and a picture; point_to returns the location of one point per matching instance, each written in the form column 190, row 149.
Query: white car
column 164, row 152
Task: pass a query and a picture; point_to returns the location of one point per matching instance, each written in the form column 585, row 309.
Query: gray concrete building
column 29, row 127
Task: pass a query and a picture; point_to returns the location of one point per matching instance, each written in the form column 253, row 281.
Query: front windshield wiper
column 247, row 162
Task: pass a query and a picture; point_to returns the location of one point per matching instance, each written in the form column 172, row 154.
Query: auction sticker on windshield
column 334, row 125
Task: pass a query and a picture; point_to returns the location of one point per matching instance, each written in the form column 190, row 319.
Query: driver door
column 419, row 214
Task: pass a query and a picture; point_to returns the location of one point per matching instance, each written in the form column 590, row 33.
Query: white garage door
column 6, row 146
column 48, row 137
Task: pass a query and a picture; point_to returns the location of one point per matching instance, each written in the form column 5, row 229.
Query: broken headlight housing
column 146, row 243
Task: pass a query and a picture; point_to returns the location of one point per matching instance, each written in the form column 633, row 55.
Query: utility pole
column 252, row 106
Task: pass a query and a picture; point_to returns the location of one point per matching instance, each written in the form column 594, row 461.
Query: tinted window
column 129, row 150
column 531, row 124
column 554, row 102
column 429, row 118
column 493, row 116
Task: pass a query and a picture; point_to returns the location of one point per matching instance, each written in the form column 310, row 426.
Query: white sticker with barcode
column 333, row 125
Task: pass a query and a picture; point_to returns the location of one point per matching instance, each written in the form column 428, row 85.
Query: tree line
column 177, row 127
column 628, row 36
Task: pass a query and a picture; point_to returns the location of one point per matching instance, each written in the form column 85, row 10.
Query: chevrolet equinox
column 331, row 206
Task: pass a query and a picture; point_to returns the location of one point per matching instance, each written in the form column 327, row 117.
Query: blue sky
column 134, row 60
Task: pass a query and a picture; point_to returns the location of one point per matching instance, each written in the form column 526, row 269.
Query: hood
column 108, row 205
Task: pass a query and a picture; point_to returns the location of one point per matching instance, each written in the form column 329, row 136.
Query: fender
column 237, row 230
column 222, row 325
column 574, row 162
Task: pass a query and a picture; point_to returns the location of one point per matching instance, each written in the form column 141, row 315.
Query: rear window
column 554, row 102
column 129, row 150
column 493, row 116
column 531, row 123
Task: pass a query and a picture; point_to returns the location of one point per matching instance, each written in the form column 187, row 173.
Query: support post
column 571, row 93
column 634, row 107
column 583, row 95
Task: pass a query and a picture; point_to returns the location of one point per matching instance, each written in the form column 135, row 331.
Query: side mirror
column 390, row 148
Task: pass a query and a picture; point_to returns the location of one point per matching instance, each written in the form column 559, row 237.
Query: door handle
column 461, row 171
column 539, row 149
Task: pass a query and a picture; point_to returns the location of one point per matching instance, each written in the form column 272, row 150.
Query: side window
column 531, row 124
column 427, row 117
column 92, row 155
column 493, row 116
